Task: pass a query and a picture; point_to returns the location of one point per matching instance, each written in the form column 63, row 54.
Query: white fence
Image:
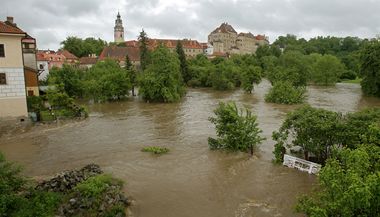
column 301, row 164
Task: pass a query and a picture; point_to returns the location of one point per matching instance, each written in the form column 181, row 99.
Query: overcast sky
column 50, row 22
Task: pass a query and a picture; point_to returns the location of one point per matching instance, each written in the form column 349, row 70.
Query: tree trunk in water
column 251, row 150
column 133, row 91
column 306, row 153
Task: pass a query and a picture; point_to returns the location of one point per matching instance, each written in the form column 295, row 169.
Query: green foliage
column 83, row 47
column 237, row 130
column 94, row 186
column 39, row 203
column 349, row 185
column 35, row 103
column 11, row 184
column 348, row 75
column 370, row 68
column 358, row 125
column 16, row 199
column 155, row 150
column 106, row 80
column 316, row 131
column 251, row 74
column 279, row 148
column 70, row 77
column 162, row 80
column 326, row 70
column 183, row 63
column 285, row 93
column 144, row 51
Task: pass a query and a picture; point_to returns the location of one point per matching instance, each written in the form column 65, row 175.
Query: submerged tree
column 183, row 62
column 237, row 130
column 370, row 68
column 132, row 74
column 144, row 51
column 315, row 131
column 162, row 80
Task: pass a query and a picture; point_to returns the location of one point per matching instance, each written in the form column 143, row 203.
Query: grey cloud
column 52, row 21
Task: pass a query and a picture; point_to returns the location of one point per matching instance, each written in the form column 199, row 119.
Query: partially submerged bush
column 285, row 93
column 155, row 150
column 237, row 130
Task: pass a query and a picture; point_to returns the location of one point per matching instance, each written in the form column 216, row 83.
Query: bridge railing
column 301, row 164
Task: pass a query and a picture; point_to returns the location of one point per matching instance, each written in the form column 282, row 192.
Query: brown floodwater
column 191, row 180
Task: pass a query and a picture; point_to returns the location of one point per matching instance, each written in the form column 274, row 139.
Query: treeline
column 290, row 64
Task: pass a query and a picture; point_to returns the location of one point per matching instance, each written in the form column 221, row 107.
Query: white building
column 12, row 78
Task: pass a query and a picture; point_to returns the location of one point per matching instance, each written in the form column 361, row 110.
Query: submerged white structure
column 301, row 164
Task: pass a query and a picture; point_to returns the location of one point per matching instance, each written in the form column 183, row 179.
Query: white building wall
column 13, row 95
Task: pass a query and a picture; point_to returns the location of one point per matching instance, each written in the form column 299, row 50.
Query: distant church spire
column 119, row 29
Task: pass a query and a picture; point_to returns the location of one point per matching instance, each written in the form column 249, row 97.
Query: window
column 3, row 79
column 2, row 50
column 30, row 93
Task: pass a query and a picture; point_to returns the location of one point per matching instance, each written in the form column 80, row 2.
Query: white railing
column 301, row 164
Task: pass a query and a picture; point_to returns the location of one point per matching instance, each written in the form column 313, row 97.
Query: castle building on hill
column 118, row 30
column 225, row 39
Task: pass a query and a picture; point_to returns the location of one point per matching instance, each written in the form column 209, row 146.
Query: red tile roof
column 5, row 28
column 119, row 53
column 261, row 37
column 67, row 54
column 48, row 55
column 88, row 60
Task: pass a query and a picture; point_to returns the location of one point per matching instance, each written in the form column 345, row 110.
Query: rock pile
column 67, row 180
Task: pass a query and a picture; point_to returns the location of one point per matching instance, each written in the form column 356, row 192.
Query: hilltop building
column 225, row 39
column 118, row 30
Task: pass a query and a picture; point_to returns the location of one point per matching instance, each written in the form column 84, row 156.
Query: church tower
column 118, row 30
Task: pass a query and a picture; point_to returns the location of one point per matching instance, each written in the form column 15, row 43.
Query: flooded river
column 190, row 181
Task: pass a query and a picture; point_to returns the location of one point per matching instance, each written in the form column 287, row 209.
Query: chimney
column 10, row 20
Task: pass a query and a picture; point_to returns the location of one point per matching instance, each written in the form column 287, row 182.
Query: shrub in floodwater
column 155, row 149
column 285, row 93
column 237, row 130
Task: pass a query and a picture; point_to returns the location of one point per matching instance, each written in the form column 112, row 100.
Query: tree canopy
column 162, row 80
column 370, row 68
column 83, row 47
column 237, row 130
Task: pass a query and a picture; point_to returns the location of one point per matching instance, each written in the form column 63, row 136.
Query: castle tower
column 118, row 30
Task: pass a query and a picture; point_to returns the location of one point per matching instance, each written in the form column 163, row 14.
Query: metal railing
column 301, row 164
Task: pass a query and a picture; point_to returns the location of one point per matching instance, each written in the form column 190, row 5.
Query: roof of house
column 11, row 29
column 49, row 55
column 119, row 53
column 261, row 37
column 248, row 35
column 88, row 60
column 224, row 28
column 67, row 54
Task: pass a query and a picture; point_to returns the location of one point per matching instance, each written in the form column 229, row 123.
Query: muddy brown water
column 190, row 181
